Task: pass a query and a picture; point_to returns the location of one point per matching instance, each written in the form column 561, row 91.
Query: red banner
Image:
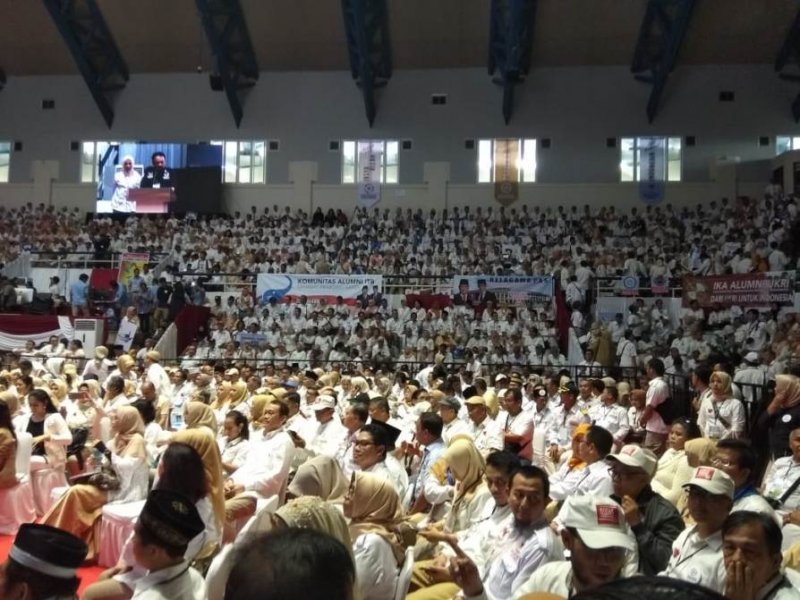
column 748, row 290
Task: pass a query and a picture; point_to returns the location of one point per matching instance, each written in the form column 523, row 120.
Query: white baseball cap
column 599, row 520
column 323, row 402
column 714, row 481
column 635, row 456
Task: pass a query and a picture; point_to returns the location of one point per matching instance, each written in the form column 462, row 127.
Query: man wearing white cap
column 697, row 552
column 327, row 437
column 598, row 541
column 155, row 373
column 654, row 520
column 750, row 376
column 487, row 434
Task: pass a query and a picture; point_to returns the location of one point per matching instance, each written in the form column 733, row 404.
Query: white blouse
column 376, row 567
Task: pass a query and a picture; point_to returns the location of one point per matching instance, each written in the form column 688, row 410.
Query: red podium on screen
column 151, row 200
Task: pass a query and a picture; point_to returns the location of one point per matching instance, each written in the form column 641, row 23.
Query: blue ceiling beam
column 234, row 58
column 366, row 25
column 88, row 38
column 661, row 34
column 789, row 56
column 511, row 27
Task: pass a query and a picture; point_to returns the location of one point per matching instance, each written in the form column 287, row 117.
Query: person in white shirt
column 374, row 510
column 738, row 459
column 595, row 478
column 609, row 415
column 751, row 552
column 452, row 425
column 371, row 454
column 166, row 525
column 125, row 180
column 327, row 437
column 266, row 468
column 481, row 541
column 721, row 416
column 525, row 543
column 486, row 433
column 598, row 540
column 155, row 373
column 234, row 444
column 697, row 552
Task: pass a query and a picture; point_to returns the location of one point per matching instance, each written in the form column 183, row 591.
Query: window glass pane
column 229, row 160
column 529, row 161
column 348, row 161
column 796, row 143
column 5, row 160
column 674, row 159
column 391, row 161
column 88, row 162
column 783, row 143
column 259, row 162
column 391, row 153
column 627, row 162
column 485, row 162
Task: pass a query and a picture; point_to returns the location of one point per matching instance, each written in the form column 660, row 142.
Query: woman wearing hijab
column 681, row 431
column 467, row 466
column 125, row 180
column 204, row 442
column 320, row 476
column 721, row 416
column 83, row 420
column 782, row 415
column 373, row 507
column 80, row 508
column 699, row 452
column 257, row 405
column 197, row 415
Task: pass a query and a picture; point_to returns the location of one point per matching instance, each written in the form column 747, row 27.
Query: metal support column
column 366, row 24
column 511, row 27
column 89, row 40
column 663, row 28
column 236, row 68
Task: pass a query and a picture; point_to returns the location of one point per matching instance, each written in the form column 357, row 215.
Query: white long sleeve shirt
column 376, row 567
column 267, row 465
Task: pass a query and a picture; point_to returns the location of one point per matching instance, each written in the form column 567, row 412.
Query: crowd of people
column 481, row 487
column 456, row 442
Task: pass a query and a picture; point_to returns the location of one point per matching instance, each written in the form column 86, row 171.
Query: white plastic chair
column 17, row 505
column 217, row 574
column 404, row 578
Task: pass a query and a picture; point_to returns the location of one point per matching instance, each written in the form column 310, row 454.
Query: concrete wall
column 576, row 108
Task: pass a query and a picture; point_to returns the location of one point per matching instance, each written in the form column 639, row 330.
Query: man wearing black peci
column 157, row 175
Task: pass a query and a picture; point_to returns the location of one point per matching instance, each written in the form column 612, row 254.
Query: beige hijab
column 129, row 440
column 374, row 507
column 311, row 512
column 237, row 394
column 322, row 477
column 204, row 442
column 257, row 405
column 788, row 386
column 197, row 414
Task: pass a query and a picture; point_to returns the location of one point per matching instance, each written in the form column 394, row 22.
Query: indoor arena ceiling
column 167, row 36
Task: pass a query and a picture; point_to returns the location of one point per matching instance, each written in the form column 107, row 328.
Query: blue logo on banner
column 276, row 293
column 652, row 192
